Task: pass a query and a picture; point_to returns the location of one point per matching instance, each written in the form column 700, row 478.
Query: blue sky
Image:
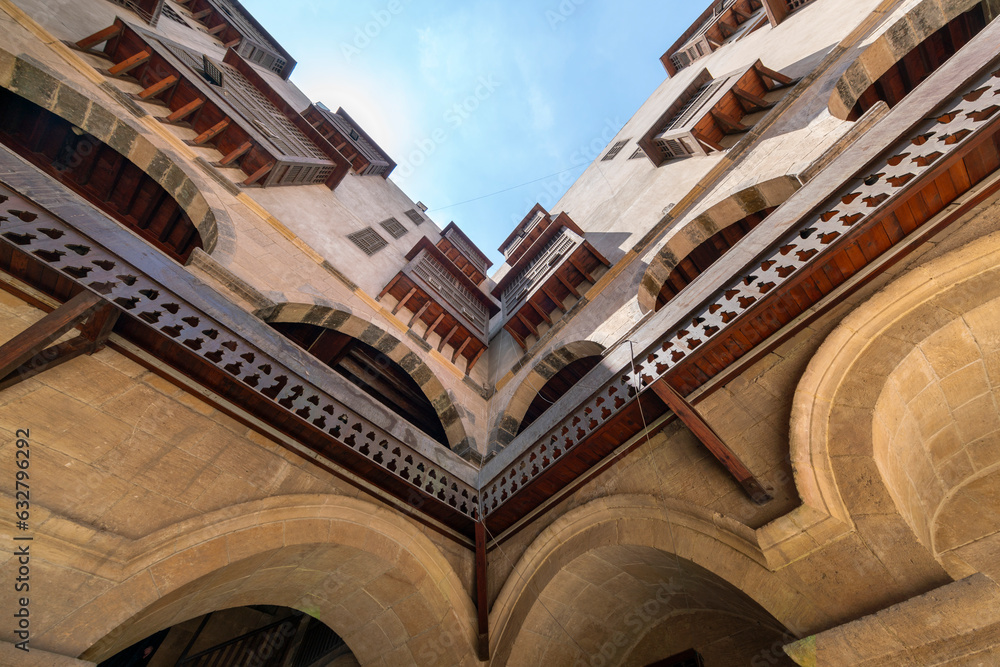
column 470, row 98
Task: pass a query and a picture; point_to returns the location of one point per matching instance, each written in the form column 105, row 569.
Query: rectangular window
column 394, row 227
column 414, row 216
column 615, row 150
column 368, row 240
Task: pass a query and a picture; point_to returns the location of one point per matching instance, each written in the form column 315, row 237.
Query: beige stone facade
column 833, row 498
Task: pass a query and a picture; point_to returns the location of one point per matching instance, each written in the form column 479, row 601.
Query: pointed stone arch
column 395, row 349
column 687, row 237
column 676, row 538
column 893, row 45
column 365, row 571
column 881, row 413
column 39, row 87
column 508, row 423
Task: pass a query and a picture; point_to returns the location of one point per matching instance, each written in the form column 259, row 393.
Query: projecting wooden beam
column 130, row 63
column 756, row 103
column 259, row 174
column 331, row 346
column 706, row 142
column 420, row 312
column 482, row 593
column 185, row 111
column 541, row 312
column 555, row 299
column 729, row 124
column 517, row 337
column 444, row 341
column 527, row 323
column 579, row 267
column 708, row 437
column 99, row 326
column 33, row 341
column 778, row 79
column 568, row 285
column 211, row 133
column 217, row 29
column 472, row 362
column 461, row 349
column 402, row 302
column 434, row 325
column 235, row 154
column 198, row 16
column 158, row 88
column 91, row 41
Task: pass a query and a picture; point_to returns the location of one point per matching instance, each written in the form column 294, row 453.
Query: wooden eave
column 561, row 221
column 537, row 208
column 342, row 164
column 425, row 244
column 452, row 227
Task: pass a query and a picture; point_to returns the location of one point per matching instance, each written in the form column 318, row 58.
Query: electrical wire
column 500, row 192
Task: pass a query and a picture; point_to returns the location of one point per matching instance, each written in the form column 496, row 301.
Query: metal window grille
column 414, row 216
column 638, row 153
column 619, row 145
column 394, row 227
column 368, row 240
column 795, row 4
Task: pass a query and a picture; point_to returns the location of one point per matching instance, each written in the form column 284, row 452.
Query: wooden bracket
column 30, row 353
column 708, row 437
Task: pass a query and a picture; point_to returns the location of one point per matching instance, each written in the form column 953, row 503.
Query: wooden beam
column 232, row 43
column 90, row 41
column 211, row 132
column 417, row 315
column 555, row 299
column 161, row 86
column 259, row 174
column 198, row 16
column 39, row 335
column 472, row 362
column 524, row 320
column 47, row 359
column 130, row 63
column 579, row 267
column 778, row 78
column 708, row 437
column 517, row 337
column 482, row 593
column 541, row 312
column 756, row 103
column 389, row 285
column 434, row 325
column 461, row 348
column 568, row 285
column 444, row 341
column 235, row 154
column 217, row 29
column 185, row 111
column 740, row 14
column 99, row 326
column 708, row 143
column 402, row 302
column 728, row 124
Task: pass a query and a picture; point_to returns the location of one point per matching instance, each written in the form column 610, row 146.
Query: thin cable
column 538, row 593
column 500, row 192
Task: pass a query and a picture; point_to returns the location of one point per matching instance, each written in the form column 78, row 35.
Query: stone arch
column 347, row 323
column 715, row 555
column 686, row 237
column 509, row 421
column 34, row 84
column 898, row 404
column 365, row 571
column 894, row 44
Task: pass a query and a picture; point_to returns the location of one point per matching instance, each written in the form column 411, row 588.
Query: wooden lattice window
column 394, row 227
column 615, row 150
column 413, row 215
column 172, row 14
column 368, row 240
